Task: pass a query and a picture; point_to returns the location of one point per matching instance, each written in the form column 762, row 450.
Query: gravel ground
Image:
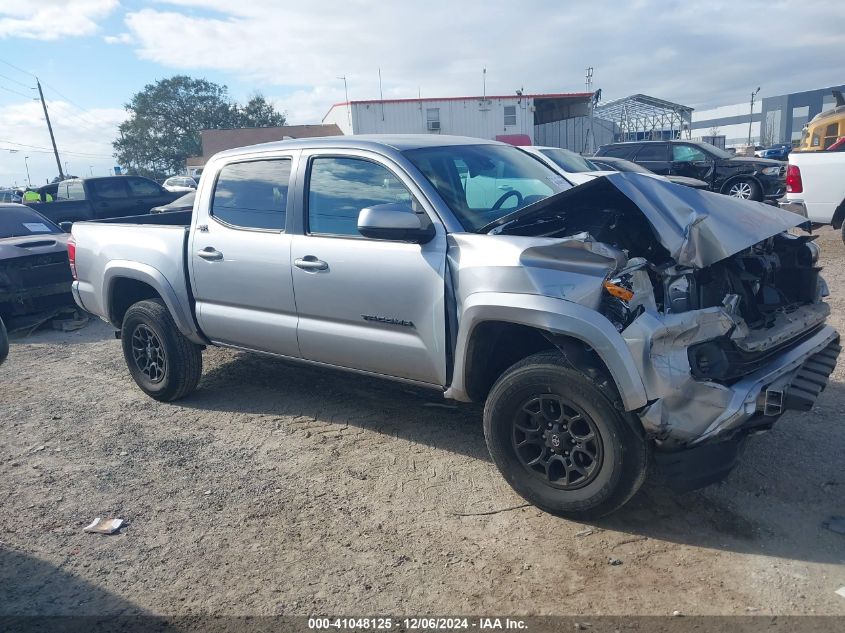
column 277, row 489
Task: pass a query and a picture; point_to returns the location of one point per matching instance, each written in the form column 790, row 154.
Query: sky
column 91, row 56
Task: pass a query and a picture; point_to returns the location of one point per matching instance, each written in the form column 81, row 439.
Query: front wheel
column 164, row 364
column 745, row 189
column 559, row 440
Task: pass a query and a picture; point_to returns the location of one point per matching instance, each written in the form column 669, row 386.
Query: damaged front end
column 721, row 307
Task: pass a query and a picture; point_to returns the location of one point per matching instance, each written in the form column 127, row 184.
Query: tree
column 165, row 119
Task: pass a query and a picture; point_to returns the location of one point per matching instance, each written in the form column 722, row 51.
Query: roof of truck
column 399, row 142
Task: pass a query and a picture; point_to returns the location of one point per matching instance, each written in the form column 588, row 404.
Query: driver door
column 690, row 161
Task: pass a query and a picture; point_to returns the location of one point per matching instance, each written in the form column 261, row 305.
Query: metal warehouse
column 561, row 119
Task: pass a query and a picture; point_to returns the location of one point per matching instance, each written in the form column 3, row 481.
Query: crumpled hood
column 698, row 228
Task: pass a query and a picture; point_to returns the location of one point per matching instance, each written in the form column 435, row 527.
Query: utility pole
column 50, row 127
column 349, row 105
column 751, row 114
column 590, row 140
column 26, row 162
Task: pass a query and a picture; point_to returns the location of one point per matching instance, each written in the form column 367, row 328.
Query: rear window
column 15, row 222
column 617, row 151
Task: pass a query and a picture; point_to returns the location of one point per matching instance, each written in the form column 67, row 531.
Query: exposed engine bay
column 718, row 303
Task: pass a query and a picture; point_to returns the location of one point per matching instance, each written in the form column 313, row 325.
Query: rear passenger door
column 110, row 198
column 654, row 156
column 240, row 259
column 368, row 304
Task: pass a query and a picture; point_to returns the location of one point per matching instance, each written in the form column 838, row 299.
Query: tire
column 745, row 189
column 542, row 387
column 4, row 342
column 163, row 363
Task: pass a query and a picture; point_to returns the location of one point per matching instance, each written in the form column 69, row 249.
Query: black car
column 35, row 274
column 609, row 163
column 749, row 178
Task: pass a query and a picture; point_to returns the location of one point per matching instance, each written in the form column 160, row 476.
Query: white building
column 550, row 119
column 730, row 121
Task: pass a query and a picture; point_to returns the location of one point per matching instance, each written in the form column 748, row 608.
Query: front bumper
column 767, row 390
column 773, row 187
column 794, row 382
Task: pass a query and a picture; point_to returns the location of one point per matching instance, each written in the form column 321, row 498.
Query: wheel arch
column 126, row 283
column 539, row 323
column 726, row 185
column 838, row 216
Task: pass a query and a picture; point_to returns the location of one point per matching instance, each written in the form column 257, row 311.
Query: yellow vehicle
column 825, row 128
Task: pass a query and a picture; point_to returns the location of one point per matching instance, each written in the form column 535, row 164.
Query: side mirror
column 66, row 226
column 395, row 221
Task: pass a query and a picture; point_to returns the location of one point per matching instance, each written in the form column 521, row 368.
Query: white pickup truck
column 815, row 186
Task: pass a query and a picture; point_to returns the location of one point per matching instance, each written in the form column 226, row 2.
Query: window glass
column 568, row 161
column 23, row 222
column 111, row 189
column 75, row 190
column 510, row 115
column 482, row 183
column 339, row 188
column 619, row 151
column 652, row 152
column 141, row 187
column 253, row 194
column 816, row 140
column 432, row 118
column 687, row 154
column 831, row 135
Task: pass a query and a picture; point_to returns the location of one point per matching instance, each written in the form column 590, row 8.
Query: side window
column 687, row 154
column 510, row 115
column 111, row 189
column 253, row 195
column 618, row 151
column 652, row 152
column 141, row 187
column 831, row 135
column 75, row 190
column 338, row 188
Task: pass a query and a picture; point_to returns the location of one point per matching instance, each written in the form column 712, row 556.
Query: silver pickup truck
column 605, row 325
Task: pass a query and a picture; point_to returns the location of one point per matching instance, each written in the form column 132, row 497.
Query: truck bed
column 148, row 248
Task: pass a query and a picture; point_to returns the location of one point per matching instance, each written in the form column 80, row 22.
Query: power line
column 20, row 83
column 11, row 65
column 17, row 92
column 41, row 147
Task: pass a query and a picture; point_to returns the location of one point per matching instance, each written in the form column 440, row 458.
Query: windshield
column 16, row 222
column 482, row 183
column 569, row 161
column 718, row 153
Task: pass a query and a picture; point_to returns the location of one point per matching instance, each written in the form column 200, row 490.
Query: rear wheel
column 4, row 342
column 560, row 441
column 745, row 189
column 164, row 364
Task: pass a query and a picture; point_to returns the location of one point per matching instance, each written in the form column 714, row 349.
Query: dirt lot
column 282, row 490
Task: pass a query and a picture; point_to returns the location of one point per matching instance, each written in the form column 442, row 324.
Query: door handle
column 210, row 253
column 309, row 262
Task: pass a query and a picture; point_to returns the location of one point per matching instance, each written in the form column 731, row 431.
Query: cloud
column 83, row 139
column 695, row 53
column 52, row 19
column 122, row 38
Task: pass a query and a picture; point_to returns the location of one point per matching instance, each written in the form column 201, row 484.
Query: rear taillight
column 71, row 255
column 793, row 180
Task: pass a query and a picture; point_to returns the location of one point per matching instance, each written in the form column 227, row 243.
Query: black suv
column 750, row 178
